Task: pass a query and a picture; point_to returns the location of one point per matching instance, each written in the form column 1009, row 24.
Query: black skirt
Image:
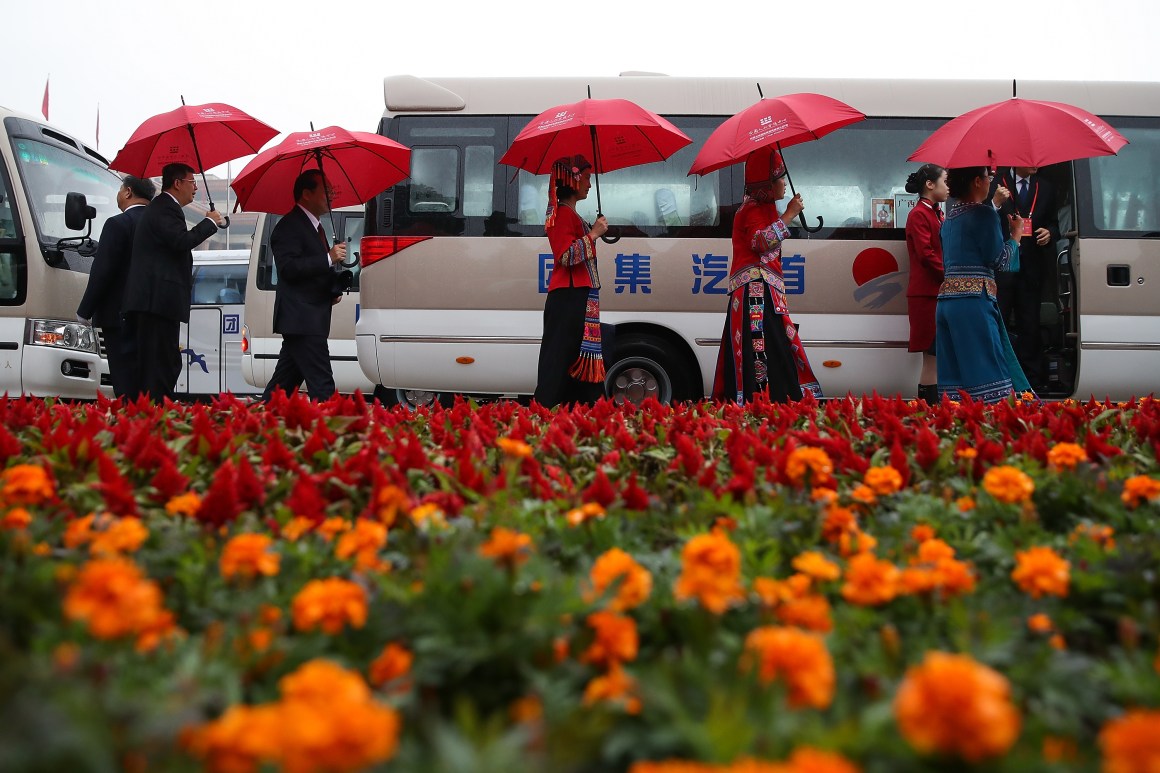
column 560, row 347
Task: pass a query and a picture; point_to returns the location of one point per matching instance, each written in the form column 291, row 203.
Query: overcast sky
column 290, row 63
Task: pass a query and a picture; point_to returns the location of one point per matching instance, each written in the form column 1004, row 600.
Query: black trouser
column 119, row 351
column 303, row 358
column 1020, row 295
column 158, row 356
column 564, row 312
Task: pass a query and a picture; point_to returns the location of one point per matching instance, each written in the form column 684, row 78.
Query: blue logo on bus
column 231, row 323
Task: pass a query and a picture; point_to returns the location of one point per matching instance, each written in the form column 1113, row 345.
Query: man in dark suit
column 101, row 304
column 160, row 286
column 306, row 291
column 1033, row 199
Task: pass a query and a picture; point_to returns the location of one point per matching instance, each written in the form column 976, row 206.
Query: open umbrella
column 356, row 165
column 1019, row 132
column 616, row 133
column 202, row 136
column 778, row 121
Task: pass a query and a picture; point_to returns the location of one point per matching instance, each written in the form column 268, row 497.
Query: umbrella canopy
column 613, row 133
column 1020, row 132
column 202, row 136
column 357, row 166
column 778, row 121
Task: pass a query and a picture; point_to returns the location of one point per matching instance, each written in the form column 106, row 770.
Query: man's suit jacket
column 303, row 298
column 161, row 271
column 1044, row 214
column 106, row 289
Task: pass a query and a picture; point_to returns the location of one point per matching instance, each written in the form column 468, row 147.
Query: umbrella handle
column 806, row 228
column 609, row 236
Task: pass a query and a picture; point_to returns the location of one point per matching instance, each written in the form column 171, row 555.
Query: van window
column 219, row 284
column 13, row 276
column 1120, row 194
column 856, row 178
column 49, row 173
column 349, row 223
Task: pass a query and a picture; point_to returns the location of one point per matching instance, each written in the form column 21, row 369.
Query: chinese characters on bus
column 709, row 273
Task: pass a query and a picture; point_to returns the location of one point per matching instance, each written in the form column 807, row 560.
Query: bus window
column 1123, row 191
column 353, row 225
column 841, row 174
column 13, row 279
column 49, row 173
column 223, row 284
column 349, row 223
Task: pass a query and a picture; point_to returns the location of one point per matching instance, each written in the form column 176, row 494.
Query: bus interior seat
column 229, row 295
column 667, row 207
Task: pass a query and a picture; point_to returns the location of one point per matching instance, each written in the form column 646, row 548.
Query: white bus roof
column 725, row 96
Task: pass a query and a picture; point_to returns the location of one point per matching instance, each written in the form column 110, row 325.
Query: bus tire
column 411, row 399
column 643, row 367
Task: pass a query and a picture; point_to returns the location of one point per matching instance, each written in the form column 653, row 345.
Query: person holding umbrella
column 305, row 292
column 160, row 285
column 760, row 347
column 571, row 366
column 974, row 354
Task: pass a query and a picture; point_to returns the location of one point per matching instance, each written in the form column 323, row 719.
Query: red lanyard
column 1034, row 198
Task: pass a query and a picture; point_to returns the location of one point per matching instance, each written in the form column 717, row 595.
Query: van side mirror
column 77, row 212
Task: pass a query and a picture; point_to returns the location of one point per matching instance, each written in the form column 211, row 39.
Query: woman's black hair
column 565, row 191
column 959, row 180
column 916, row 181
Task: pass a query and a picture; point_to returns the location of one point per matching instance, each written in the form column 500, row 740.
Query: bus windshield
column 49, row 173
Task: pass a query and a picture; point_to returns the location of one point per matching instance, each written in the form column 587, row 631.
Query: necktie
column 1022, row 193
column 322, row 236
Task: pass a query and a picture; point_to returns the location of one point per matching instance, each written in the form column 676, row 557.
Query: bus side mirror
column 77, row 212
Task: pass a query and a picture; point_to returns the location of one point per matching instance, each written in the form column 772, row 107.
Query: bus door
column 202, row 371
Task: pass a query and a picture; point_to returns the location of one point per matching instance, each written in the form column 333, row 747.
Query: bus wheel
column 643, row 369
column 408, row 398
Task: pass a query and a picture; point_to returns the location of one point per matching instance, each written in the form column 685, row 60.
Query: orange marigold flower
column 1140, row 488
column 332, row 527
column 1131, row 743
column 772, row 592
column 863, row 495
column 248, row 555
column 1057, row 641
column 296, row 527
column 527, row 709
column 389, row 502
column 1040, row 623
column 807, row 760
column 1041, row 571
column 615, row 687
column 857, row 541
column 239, row 741
column 615, row 641
column 586, row 512
column 869, row 581
column 965, row 504
column 184, row 504
column 838, row 521
column 710, row 572
column 507, row 547
column 393, row 663
column 1065, row 456
column 329, row 604
column 1100, row 534
column 810, row 612
column 114, row 599
column 1008, row 484
column 967, row 454
column 516, row 449
column 824, row 495
column 952, row 704
column 883, row 480
column 922, row 532
column 80, row 531
column 813, row 462
column 120, row 535
column 1056, row 749
column 366, row 537
column 813, row 564
column 15, row 519
column 428, row 516
column 616, row 568
column 26, row 484
column 799, row 659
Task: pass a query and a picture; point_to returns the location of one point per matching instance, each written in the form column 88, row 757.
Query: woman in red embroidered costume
column 760, row 347
column 924, row 245
column 571, row 369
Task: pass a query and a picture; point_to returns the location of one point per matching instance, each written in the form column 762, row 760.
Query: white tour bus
column 55, row 195
column 260, row 344
column 455, row 261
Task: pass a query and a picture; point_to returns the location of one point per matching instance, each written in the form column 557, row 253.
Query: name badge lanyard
column 1034, row 198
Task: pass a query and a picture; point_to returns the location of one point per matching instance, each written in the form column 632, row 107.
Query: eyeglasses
column 190, row 180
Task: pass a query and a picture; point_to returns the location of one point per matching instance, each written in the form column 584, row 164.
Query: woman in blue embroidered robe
column 974, row 353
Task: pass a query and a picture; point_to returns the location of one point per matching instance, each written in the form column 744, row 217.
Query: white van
column 456, row 264
column 52, row 187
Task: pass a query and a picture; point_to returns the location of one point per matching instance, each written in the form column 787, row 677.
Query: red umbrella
column 779, row 121
column 202, row 136
column 1019, row 132
column 357, row 166
column 615, row 133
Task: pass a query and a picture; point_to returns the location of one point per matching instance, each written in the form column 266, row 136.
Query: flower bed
column 862, row 584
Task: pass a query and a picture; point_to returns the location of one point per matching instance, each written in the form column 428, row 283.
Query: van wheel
column 644, row 368
column 409, row 398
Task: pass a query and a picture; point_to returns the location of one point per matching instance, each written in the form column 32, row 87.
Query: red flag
column 44, row 102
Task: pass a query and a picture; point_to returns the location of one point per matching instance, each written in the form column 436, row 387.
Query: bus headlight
column 65, row 335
